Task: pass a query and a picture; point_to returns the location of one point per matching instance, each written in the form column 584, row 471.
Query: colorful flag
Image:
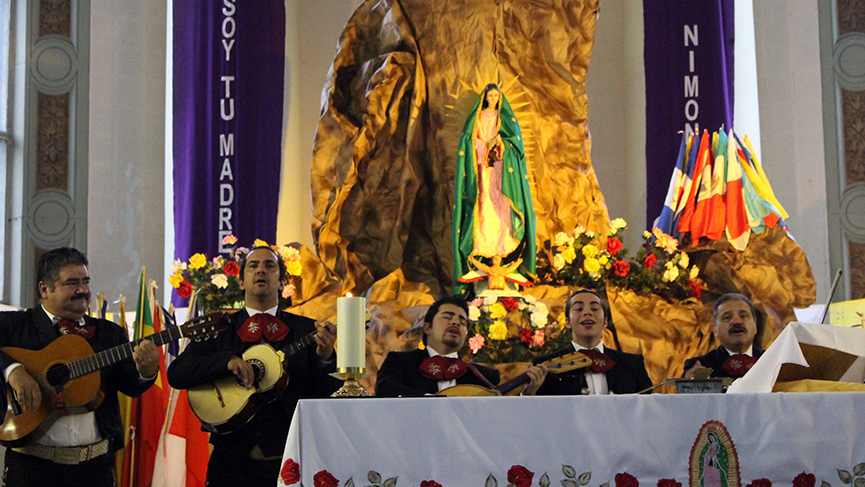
column 666, row 221
column 148, row 410
column 738, row 231
column 703, row 160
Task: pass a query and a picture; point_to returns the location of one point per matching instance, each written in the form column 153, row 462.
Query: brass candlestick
column 351, row 388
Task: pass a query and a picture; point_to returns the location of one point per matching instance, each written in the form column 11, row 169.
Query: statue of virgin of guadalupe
column 494, row 221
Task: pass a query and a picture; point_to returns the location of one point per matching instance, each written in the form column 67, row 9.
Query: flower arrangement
column 585, row 259
column 512, row 329
column 216, row 281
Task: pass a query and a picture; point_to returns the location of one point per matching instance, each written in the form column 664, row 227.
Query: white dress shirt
column 597, row 382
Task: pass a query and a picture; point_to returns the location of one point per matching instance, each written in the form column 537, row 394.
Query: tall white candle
column 351, row 332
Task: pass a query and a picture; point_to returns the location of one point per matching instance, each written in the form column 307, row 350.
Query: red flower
column 324, row 479
column 614, row 245
column 290, row 473
column 650, row 261
column 696, row 289
column 430, row 483
column 760, row 483
column 185, row 289
column 621, row 268
column 525, row 335
column 804, row 480
column 671, row 483
column 520, row 476
column 231, row 268
column 510, row 303
column 626, row 480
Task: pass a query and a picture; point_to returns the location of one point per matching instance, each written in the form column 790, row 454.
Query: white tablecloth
column 469, row 441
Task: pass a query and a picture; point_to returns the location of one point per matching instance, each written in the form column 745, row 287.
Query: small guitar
column 565, row 363
column 65, row 370
column 225, row 405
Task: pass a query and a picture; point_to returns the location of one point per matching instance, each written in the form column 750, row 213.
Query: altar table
column 704, row 440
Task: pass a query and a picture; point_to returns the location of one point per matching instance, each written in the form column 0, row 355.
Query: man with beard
column 437, row 367
column 251, row 454
column 611, row 372
column 78, row 449
column 735, row 325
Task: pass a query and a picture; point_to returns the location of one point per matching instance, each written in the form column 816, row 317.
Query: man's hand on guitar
column 26, row 389
column 243, row 370
column 146, row 357
column 537, row 374
column 325, row 338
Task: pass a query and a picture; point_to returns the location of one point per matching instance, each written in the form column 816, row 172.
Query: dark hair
column 487, row 89
column 732, row 297
column 603, row 300
column 283, row 271
column 433, row 310
column 50, row 263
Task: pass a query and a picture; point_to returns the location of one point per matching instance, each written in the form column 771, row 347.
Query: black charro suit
column 32, row 329
column 715, row 360
column 204, row 362
column 400, row 375
column 627, row 376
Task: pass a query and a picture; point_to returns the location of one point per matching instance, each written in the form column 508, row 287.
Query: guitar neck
column 296, row 346
column 111, row 356
column 552, row 368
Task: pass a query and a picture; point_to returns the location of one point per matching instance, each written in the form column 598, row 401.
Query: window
column 5, row 64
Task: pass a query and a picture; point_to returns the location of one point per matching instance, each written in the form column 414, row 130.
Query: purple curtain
column 689, row 81
column 228, row 96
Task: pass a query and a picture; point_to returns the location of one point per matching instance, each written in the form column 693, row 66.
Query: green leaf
column 349, row 482
column 845, row 476
column 569, row 483
column 859, row 482
column 491, row 482
column 585, row 478
column 544, row 481
column 373, row 477
column 569, row 471
column 391, row 482
column 825, row 484
column 605, row 484
column 859, row 469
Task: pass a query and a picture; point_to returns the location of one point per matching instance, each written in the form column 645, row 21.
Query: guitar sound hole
column 57, row 375
column 258, row 372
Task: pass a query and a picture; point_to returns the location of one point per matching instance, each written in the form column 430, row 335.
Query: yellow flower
column 647, row 234
column 561, row 238
column 175, row 280
column 259, row 243
column 671, row 274
column 579, row 231
column 590, row 251
column 558, row 262
column 603, row 260
column 618, row 224
column 669, row 265
column 197, row 261
column 592, row 265
column 498, row 330
column 294, row 268
column 695, row 271
column 569, row 254
column 683, row 260
column 498, row 311
column 474, row 313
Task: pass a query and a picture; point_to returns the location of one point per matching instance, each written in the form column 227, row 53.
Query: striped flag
column 667, row 220
column 738, row 231
column 703, row 157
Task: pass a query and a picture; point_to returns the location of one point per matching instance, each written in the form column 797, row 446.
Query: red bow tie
column 738, row 364
column 263, row 324
column 65, row 327
column 600, row 362
column 443, row 368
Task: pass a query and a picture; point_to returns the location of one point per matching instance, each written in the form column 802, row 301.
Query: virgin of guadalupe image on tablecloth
column 494, row 220
column 714, row 462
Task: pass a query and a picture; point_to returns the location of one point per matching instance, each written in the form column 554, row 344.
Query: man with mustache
column 611, row 372
column 437, row 366
column 735, row 325
column 251, row 454
column 77, row 449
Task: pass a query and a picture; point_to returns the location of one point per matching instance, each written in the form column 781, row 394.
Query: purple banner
column 689, row 81
column 228, row 97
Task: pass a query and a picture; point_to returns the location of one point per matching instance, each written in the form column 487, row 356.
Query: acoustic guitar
column 65, row 370
column 225, row 405
column 565, row 363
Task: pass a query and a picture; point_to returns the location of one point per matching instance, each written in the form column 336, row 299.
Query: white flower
column 618, row 224
column 522, row 306
column 178, row 266
column 530, row 299
column 539, row 319
column 490, row 300
column 561, row 238
column 219, row 280
column 683, row 260
column 541, row 308
column 558, row 262
column 474, row 313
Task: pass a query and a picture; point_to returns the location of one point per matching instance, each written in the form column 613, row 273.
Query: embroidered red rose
column 669, row 483
column 430, row 483
column 626, row 480
column 696, row 289
column 650, row 261
column 760, row 483
column 526, row 335
column 324, row 479
column 510, row 303
column 184, row 290
column 290, row 473
column 520, row 476
column 231, row 268
column 804, row 480
column 614, row 245
column 621, row 268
